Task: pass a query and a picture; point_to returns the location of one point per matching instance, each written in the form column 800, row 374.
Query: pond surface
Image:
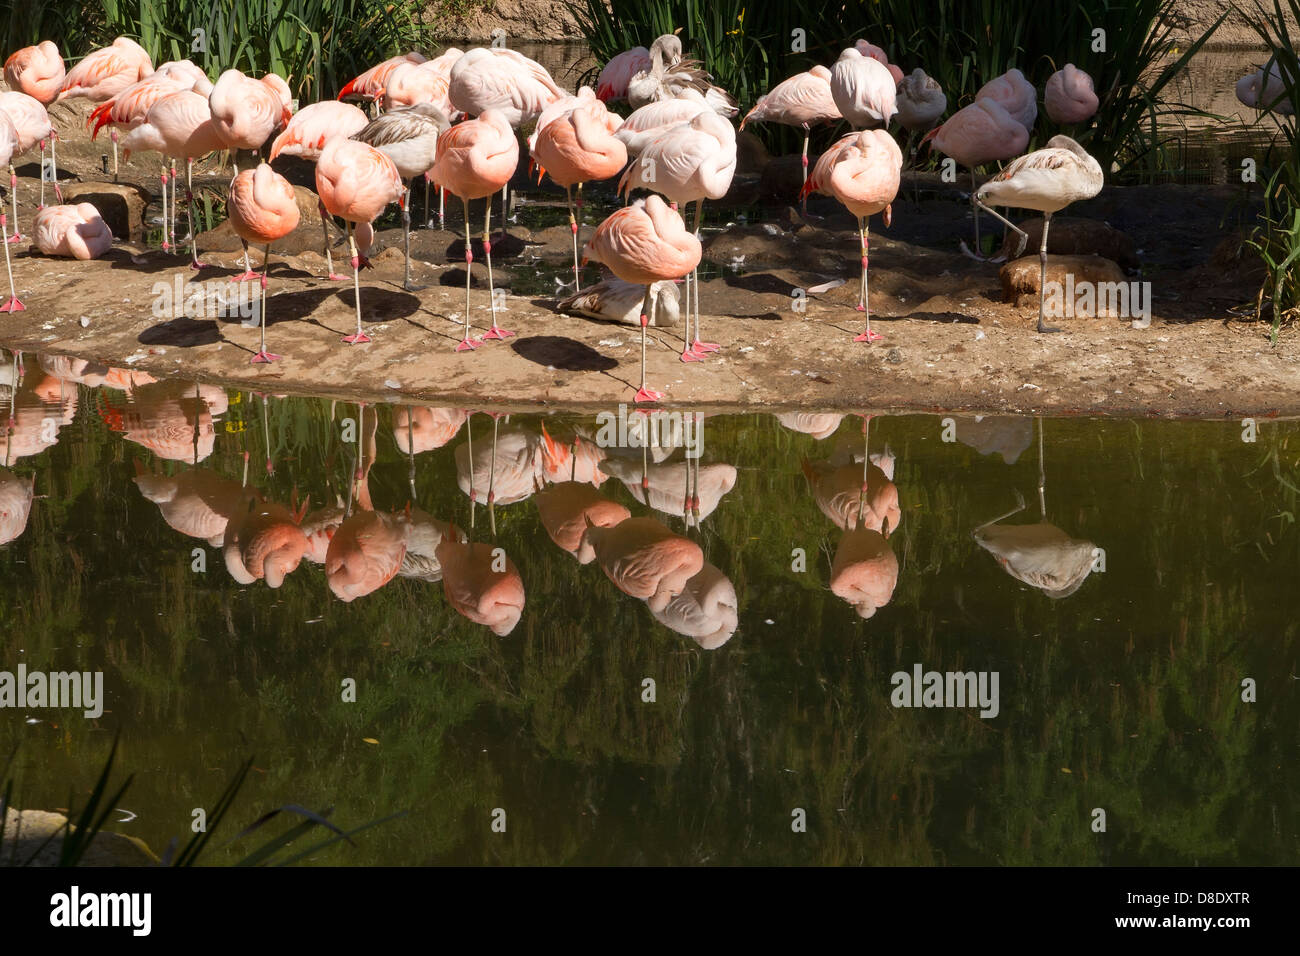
column 714, row 678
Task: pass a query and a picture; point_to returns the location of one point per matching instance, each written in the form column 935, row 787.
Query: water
column 1125, row 695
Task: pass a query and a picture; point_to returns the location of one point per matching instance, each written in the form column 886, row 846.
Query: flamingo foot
column 689, row 356
column 467, row 345
column 335, row 277
column 246, row 276
column 357, row 338
column 263, row 358
column 645, row 395
column 704, row 347
column 496, row 333
column 871, row 336
column 196, row 265
column 13, row 305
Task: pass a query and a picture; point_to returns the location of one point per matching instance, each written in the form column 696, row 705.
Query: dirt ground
column 950, row 342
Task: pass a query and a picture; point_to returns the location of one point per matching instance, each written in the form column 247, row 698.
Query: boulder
column 1072, row 274
column 26, row 833
column 782, row 178
column 120, row 205
column 751, row 154
column 1076, row 237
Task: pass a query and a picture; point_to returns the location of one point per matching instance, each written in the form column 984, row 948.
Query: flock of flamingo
column 362, row 548
column 456, row 120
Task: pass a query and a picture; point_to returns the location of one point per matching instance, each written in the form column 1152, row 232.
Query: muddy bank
column 950, row 341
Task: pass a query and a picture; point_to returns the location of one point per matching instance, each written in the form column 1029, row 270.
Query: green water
column 1124, row 696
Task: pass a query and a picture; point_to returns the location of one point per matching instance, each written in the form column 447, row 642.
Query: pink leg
column 698, row 347
column 263, row 356
column 495, row 332
column 644, row 394
column 865, row 306
column 468, row 343
column 359, row 336
column 13, row 305
column 13, row 194
column 248, row 273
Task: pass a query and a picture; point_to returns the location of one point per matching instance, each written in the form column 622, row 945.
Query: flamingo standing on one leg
column 645, row 243
column 1048, row 180
column 308, row 131
column 32, row 126
column 8, row 143
column 691, row 161
column 356, row 182
column 409, row 137
column 1069, row 97
column 104, row 73
column 863, row 89
column 865, row 179
column 38, row 71
column 921, row 101
column 803, row 100
column 475, row 159
column 262, row 208
column 576, row 148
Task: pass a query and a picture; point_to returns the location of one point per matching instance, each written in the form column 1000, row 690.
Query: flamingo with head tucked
column 263, row 209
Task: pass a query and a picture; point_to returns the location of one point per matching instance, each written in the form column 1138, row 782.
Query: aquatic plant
column 1276, row 240
column 1129, row 49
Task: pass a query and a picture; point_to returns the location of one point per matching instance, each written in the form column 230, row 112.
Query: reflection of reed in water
column 1041, row 554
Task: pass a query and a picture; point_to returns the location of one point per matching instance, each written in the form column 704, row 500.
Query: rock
column 1020, row 279
column 26, row 830
column 782, row 178
column 751, row 155
column 752, row 247
column 1076, row 237
column 120, row 205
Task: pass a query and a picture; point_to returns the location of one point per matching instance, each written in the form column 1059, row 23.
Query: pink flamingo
column 669, row 73
column 645, row 559
column 198, row 503
column 306, row 135
column 262, row 208
column 612, row 82
column 869, row 49
column 37, row 71
column 803, row 100
column 865, row 179
column 77, row 231
column 1014, row 94
column 706, row 610
column 645, row 243
column 863, row 89
column 691, row 161
column 103, row 74
column 31, row 126
column 1069, row 97
column 16, row 496
column 475, row 159
column 423, row 428
column 865, row 570
column 568, row 508
column 481, row 583
column 370, row 84
column 651, row 121
column 179, row 126
column 817, row 424
column 428, row 82
column 355, row 182
column 8, row 144
column 577, row 148
column 1047, row 180
column 502, row 80
column 264, row 542
column 980, row 133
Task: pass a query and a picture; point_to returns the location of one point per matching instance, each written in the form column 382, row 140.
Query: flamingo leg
column 442, row 199
column 13, row 305
column 426, row 201
column 54, row 166
column 803, row 207
column 113, row 137
column 1042, row 275
column 41, row 205
column 329, row 257
column 407, row 284
column 644, row 394
column 576, row 234
column 978, row 251
column 13, row 195
column 868, row 335
column 165, row 246
column 189, row 214
column 469, row 431
column 357, row 337
column 697, row 346
column 467, row 342
column 492, row 476
column 248, row 272
column 573, row 230
column 263, row 356
column 171, row 233
column 687, row 354
column 495, row 332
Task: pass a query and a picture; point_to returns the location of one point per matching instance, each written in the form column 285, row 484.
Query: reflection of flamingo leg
column 469, row 429
column 492, row 477
column 1042, row 475
column 1020, row 506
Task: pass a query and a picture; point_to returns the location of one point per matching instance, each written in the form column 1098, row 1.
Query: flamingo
column 612, row 82
column 817, row 424
column 705, row 610
column 851, row 496
column 481, row 583
column 669, row 74
column 355, row 182
column 31, row 126
column 8, row 144
column 863, row 89
column 864, row 571
column 876, row 53
column 921, row 101
column 980, row 133
column 1048, row 180
column 179, row 126
column 477, row 158
column 1014, row 94
column 865, row 179
column 675, row 487
column 264, row 543
column 1265, row 91
column 803, row 100
column 37, row 71
column 614, row 300
column 691, row 161
column 651, row 121
column 428, row 82
column 104, row 73
column 173, row 420
column 567, row 507
column 644, row 559
column 423, row 533
column 644, row 243
column 262, row 208
column 409, row 137
column 198, row 503
column 305, row 136
column 423, row 428
column 575, row 148
column 1069, row 97
column 370, row 84
column 77, row 231
column 16, row 496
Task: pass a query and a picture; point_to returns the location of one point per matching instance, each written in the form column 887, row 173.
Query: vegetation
column 317, row 45
column 1277, row 238
column 961, row 43
column 1132, row 685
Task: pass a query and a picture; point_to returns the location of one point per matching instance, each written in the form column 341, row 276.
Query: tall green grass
column 1277, row 238
column 961, row 43
column 317, row 45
